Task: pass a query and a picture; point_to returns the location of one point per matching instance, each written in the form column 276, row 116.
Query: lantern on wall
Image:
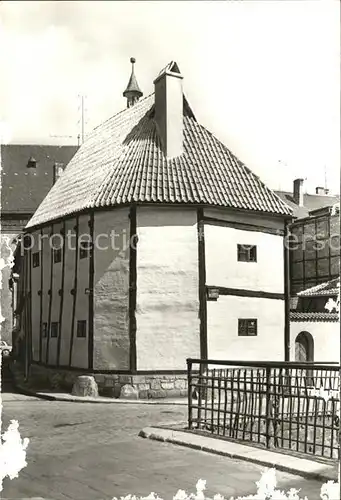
column 212, row 293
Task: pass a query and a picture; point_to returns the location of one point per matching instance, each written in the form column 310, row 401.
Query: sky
column 262, row 76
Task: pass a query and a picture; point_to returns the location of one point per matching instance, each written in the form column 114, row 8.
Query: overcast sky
column 263, row 76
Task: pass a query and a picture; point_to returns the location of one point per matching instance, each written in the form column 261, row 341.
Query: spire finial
column 132, row 92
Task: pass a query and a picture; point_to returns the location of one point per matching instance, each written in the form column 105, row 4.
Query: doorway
column 304, row 353
column 304, row 348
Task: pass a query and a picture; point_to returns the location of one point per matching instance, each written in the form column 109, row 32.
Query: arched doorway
column 304, row 352
column 304, row 347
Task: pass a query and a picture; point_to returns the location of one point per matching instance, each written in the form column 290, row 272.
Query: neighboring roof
column 310, row 202
column 23, row 188
column 122, row 162
column 314, row 316
column 332, row 209
column 330, row 288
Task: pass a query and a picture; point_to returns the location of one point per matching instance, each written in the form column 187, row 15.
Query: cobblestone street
column 92, row 451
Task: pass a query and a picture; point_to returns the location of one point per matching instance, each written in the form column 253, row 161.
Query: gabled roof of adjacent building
column 310, row 202
column 24, row 188
column 330, row 288
column 122, row 162
column 314, row 316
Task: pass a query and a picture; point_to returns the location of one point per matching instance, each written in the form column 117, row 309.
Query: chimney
column 58, row 169
column 298, row 192
column 169, row 110
column 321, row 190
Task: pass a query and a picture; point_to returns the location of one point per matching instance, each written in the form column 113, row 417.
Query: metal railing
column 293, row 406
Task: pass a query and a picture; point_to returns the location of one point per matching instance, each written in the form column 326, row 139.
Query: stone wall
column 148, row 386
column 109, row 385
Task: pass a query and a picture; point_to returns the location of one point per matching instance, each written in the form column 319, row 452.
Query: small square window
column 247, row 253
column 57, row 255
column 36, row 259
column 44, row 330
column 247, row 327
column 84, row 249
column 54, row 330
column 81, row 328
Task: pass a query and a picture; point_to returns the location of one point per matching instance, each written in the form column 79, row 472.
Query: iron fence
column 293, row 406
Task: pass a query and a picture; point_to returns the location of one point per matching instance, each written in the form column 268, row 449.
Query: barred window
column 81, row 328
column 57, row 255
column 247, row 253
column 54, row 329
column 84, row 249
column 36, row 259
column 247, row 327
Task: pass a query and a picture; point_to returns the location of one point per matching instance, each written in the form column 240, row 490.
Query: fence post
column 268, row 405
column 189, row 392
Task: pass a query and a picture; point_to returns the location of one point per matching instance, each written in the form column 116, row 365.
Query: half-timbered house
column 186, row 255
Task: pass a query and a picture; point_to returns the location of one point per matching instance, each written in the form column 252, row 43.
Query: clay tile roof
column 314, row 316
column 122, row 162
column 330, row 288
column 23, row 188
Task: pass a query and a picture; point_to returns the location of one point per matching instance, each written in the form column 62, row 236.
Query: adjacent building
column 315, row 244
column 314, row 274
column 27, row 174
column 157, row 244
column 315, row 325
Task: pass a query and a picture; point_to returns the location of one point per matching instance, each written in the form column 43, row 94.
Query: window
column 36, row 259
column 44, row 330
column 247, row 327
column 54, row 330
column 84, row 249
column 247, row 253
column 57, row 255
column 81, row 328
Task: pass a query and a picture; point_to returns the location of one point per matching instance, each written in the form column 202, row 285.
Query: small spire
column 133, row 91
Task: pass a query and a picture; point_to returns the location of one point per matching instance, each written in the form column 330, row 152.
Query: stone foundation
column 109, row 385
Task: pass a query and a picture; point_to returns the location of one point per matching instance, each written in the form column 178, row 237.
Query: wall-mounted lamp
column 212, row 293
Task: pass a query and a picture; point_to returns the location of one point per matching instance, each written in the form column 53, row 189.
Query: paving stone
column 100, row 455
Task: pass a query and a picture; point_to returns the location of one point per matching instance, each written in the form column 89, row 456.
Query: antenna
column 65, row 137
column 82, row 118
column 80, row 136
column 62, row 136
column 281, row 164
column 325, row 178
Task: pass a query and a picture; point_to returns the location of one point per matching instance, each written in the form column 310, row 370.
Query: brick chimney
column 58, row 169
column 321, row 190
column 169, row 110
column 298, row 192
